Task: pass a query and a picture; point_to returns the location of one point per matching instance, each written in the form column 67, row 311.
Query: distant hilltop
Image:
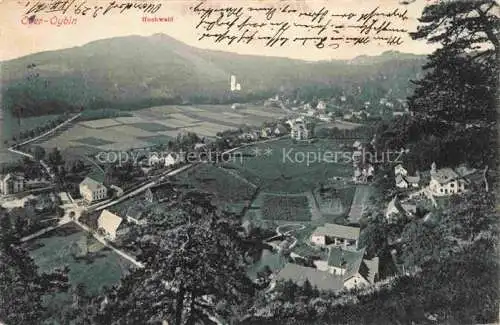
column 159, row 69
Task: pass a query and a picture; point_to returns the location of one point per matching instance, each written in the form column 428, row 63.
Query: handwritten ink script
column 83, row 8
column 275, row 26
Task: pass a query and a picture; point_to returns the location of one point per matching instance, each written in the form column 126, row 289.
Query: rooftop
column 91, row 183
column 444, row 175
column 11, row 175
column 109, row 221
column 339, row 231
column 320, row 279
column 346, row 259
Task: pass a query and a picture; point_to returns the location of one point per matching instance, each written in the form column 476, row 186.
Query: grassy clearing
column 275, row 172
column 101, row 267
column 226, row 188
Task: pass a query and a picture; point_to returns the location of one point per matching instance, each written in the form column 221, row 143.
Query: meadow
column 229, row 191
column 273, row 172
column 63, row 247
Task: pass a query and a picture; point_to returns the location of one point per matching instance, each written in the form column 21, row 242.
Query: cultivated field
column 157, row 125
column 285, row 208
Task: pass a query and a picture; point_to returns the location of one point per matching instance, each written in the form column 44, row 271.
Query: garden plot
column 285, row 207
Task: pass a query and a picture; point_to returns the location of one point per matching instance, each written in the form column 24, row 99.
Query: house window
column 452, row 185
column 446, row 191
column 441, row 190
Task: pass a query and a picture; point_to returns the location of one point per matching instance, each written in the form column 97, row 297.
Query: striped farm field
column 102, row 123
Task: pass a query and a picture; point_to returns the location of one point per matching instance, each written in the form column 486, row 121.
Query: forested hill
column 134, row 71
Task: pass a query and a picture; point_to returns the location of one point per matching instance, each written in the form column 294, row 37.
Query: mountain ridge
column 136, row 71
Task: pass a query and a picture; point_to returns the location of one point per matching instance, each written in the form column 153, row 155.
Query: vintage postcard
column 248, row 162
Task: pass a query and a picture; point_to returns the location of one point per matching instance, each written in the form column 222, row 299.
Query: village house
column 446, row 181
column 400, row 170
column 172, row 159
column 111, row 225
column 363, row 173
column 154, row 159
column 403, row 180
column 357, row 145
column 300, row 131
column 299, row 274
column 351, row 266
column 266, row 132
column 396, row 208
column 92, row 190
column 321, row 105
column 11, row 183
column 338, row 235
column 280, row 130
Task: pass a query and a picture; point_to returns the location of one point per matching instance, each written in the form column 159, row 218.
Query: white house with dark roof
column 400, row 170
column 321, row 105
column 92, row 190
column 446, row 181
column 11, row 183
column 333, row 234
column 396, row 208
column 300, row 131
column 109, row 223
column 403, row 180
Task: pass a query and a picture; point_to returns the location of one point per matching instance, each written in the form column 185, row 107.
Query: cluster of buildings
column 345, row 265
column 299, row 130
column 442, row 182
column 264, row 133
column 167, row 160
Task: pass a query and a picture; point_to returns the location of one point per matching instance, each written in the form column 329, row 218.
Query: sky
column 19, row 39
